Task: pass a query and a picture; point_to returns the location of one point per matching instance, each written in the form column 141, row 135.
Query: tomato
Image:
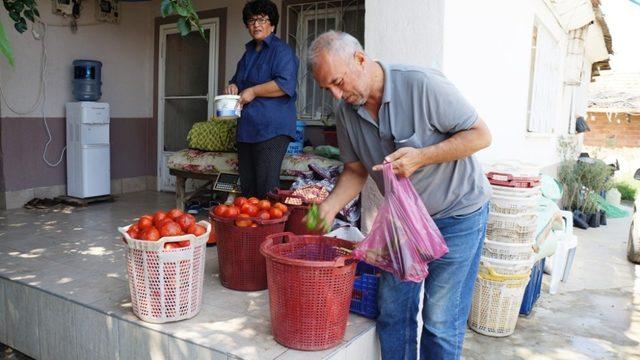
column 174, row 213
column 220, row 210
column 170, row 228
column 150, row 234
column 184, row 243
column 159, row 216
column 239, row 201
column 243, row 220
column 249, row 209
column 254, row 224
column 196, row 229
column 145, row 221
column 253, row 200
column 275, row 213
column 264, row 205
column 232, row 212
column 264, row 215
column 171, row 246
column 281, row 206
column 162, row 222
column 133, row 231
column 185, row 220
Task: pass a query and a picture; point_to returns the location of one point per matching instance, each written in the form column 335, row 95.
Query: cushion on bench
column 209, row 162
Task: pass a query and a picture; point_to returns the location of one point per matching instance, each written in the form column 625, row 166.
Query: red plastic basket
column 504, row 179
column 297, row 212
column 310, row 288
column 242, row 267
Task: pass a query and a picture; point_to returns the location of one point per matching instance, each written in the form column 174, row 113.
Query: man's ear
column 359, row 58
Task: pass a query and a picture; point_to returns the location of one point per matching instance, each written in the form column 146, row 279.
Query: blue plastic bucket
column 87, row 80
column 296, row 146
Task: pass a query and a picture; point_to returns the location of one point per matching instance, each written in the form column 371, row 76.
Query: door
column 187, row 80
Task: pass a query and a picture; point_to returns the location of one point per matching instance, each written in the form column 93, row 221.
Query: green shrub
column 627, row 190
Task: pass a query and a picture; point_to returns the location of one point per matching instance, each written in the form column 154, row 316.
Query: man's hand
column 324, row 221
column 246, row 96
column 405, row 161
column 232, row 89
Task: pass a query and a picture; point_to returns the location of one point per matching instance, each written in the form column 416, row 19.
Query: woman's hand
column 232, row 89
column 246, row 96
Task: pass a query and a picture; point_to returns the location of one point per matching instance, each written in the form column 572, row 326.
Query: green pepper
column 313, row 219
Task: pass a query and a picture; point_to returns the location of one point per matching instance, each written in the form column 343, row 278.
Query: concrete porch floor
column 63, row 294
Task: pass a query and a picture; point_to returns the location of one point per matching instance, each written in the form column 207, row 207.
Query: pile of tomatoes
column 245, row 211
column 171, row 223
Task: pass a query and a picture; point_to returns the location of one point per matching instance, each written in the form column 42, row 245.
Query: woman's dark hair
column 261, row 7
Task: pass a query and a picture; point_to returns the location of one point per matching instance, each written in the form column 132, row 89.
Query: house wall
column 488, row 57
column 612, row 130
column 409, row 32
column 127, row 51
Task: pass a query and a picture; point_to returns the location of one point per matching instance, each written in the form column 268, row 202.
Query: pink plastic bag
column 403, row 237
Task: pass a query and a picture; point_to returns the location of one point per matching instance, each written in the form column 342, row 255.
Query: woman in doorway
column 265, row 79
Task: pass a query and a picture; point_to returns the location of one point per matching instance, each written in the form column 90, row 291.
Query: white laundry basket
column 497, row 297
column 519, row 229
column 166, row 284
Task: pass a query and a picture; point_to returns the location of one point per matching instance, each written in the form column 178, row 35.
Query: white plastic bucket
column 226, row 106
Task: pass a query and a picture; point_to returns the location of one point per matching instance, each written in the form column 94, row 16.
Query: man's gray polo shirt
column 420, row 107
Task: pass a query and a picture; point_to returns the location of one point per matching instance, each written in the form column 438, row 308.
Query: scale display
column 227, row 182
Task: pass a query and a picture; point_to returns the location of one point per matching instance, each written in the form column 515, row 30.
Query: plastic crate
column 364, row 300
column 532, row 292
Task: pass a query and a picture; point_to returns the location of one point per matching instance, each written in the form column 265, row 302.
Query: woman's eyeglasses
column 258, row 21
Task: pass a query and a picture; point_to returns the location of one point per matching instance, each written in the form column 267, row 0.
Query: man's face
column 259, row 27
column 345, row 79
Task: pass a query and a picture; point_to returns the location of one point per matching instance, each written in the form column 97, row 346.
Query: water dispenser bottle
column 87, row 80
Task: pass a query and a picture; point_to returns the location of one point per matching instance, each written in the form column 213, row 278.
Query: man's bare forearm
column 350, row 183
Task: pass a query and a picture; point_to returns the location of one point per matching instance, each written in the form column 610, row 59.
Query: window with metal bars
column 303, row 21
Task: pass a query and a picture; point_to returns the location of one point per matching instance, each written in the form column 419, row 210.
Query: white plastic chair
column 561, row 262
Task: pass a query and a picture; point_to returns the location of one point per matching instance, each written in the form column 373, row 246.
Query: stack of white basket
column 507, row 255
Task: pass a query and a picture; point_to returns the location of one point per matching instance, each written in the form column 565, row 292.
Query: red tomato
column 159, row 216
column 249, row 209
column 220, row 210
column 184, row 243
column 281, row 206
column 212, row 237
column 253, row 200
column 254, row 224
column 243, row 221
column 275, row 213
column 174, row 213
column 264, row 204
column 171, row 246
column 196, row 229
column 150, row 234
column 239, row 201
column 133, row 231
column 264, row 215
column 185, row 220
column 232, row 212
column 145, row 222
column 170, row 228
column 162, row 222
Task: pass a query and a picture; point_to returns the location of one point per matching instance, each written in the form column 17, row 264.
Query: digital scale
column 227, row 183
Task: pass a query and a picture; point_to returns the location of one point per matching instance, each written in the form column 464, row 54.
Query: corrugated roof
column 613, row 90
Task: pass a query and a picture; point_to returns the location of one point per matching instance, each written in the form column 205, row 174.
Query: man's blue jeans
column 447, row 296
